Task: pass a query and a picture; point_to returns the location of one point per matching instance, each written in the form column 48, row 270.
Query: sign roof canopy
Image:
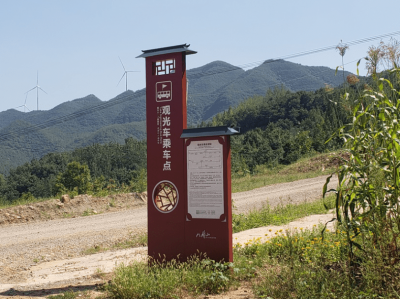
column 209, row 131
column 167, row 50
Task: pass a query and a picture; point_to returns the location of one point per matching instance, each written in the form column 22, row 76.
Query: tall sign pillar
column 165, row 121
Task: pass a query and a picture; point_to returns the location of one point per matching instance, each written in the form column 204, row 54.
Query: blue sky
column 75, row 44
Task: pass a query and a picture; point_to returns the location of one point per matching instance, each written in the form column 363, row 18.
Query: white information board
column 205, row 179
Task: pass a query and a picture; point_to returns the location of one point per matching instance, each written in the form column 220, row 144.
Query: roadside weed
column 305, row 168
column 280, row 214
column 88, row 212
column 67, row 215
column 170, row 279
column 93, row 250
column 134, row 240
column 309, row 264
column 112, row 203
column 66, row 295
column 99, row 273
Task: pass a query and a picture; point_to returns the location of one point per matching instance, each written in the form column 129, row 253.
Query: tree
column 2, row 180
column 76, row 176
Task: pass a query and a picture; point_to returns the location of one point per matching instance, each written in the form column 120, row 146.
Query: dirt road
column 25, row 246
column 293, row 192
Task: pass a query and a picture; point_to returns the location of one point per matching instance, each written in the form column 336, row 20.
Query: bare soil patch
column 81, row 205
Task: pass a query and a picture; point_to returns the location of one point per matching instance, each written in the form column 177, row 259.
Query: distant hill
column 112, row 124
column 230, row 88
column 213, row 88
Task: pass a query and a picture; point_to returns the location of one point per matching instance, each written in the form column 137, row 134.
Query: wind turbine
column 125, row 74
column 24, row 105
column 37, row 90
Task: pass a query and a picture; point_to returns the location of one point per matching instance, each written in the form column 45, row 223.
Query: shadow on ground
column 46, row 292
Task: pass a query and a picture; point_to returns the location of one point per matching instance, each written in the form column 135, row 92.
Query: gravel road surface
column 24, row 246
column 294, row 192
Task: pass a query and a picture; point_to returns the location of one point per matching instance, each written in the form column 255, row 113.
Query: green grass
column 112, row 203
column 302, row 264
column 94, row 250
column 66, row 295
column 196, row 276
column 67, row 215
column 280, row 214
column 22, row 201
column 311, row 265
column 136, row 240
column 88, row 212
column 171, row 279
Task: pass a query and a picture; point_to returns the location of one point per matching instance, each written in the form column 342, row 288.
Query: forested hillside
column 212, row 88
column 75, row 124
column 105, row 165
column 270, row 74
column 283, row 126
column 277, row 128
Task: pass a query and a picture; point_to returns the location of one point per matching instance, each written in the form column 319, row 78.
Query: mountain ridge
column 213, row 88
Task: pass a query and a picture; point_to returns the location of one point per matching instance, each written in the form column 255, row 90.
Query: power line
column 271, row 85
column 77, row 114
column 68, row 117
column 304, row 53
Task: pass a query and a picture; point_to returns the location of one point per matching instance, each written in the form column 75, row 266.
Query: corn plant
column 367, row 195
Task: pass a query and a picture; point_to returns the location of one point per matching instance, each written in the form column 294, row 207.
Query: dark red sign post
column 174, row 228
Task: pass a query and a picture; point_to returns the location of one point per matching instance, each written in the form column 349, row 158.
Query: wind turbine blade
column 27, row 108
column 133, row 71
column 19, row 106
column 26, row 97
column 121, row 78
column 31, row 89
column 42, row 90
column 122, row 64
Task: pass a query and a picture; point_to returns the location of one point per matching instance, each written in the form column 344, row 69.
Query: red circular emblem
column 165, row 196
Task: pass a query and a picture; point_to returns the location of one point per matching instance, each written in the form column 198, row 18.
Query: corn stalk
column 367, row 194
